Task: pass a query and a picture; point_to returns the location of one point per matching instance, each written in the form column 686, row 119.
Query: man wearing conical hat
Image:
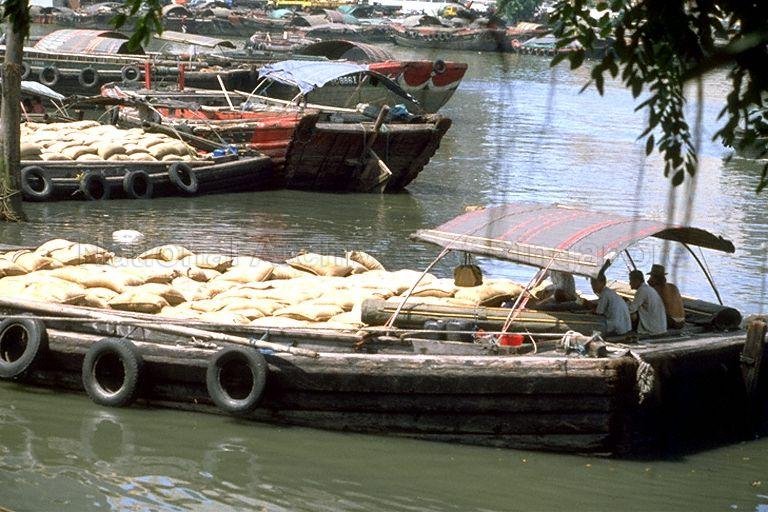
column 670, row 295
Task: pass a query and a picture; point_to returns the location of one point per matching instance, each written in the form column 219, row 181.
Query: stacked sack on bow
column 88, row 141
column 308, row 290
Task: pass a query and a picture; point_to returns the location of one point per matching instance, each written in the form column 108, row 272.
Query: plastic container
column 460, row 325
column 511, row 340
column 434, row 325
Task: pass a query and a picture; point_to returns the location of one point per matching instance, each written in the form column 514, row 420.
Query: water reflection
column 78, row 456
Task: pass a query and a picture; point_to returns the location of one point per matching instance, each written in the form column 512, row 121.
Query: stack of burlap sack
column 310, row 290
column 86, row 141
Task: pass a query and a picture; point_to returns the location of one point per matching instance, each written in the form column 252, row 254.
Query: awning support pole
column 629, row 257
column 706, row 273
column 391, row 322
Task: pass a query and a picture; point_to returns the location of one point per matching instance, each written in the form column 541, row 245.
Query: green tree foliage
column 657, row 46
column 149, row 20
column 518, row 10
column 17, row 13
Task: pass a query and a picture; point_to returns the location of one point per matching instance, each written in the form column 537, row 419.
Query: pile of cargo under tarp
column 307, row 290
column 89, row 141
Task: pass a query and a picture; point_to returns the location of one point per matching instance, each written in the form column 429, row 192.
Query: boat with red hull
column 312, row 147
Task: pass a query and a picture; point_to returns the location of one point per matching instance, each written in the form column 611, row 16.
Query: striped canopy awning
column 558, row 237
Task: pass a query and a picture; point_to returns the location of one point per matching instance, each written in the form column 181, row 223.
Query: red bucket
column 511, row 340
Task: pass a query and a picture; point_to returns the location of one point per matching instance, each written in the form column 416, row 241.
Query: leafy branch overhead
column 17, row 12
column 148, row 15
column 655, row 47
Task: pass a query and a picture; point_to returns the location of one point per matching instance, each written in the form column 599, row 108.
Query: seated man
column 556, row 286
column 647, row 309
column 670, row 295
column 612, row 307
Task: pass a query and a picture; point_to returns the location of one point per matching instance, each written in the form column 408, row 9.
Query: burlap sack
column 55, row 244
column 78, row 254
column 310, row 312
column 139, row 302
column 217, row 262
column 321, row 265
column 365, row 259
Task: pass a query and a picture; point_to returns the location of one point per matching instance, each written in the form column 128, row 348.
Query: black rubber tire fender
column 130, row 74
column 23, row 344
column 112, row 371
column 439, row 67
column 50, row 75
column 36, row 185
column 137, row 185
column 26, row 70
column 183, row 178
column 231, row 367
column 88, row 77
column 94, row 186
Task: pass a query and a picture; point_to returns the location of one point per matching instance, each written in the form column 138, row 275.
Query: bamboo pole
column 192, row 332
column 314, row 106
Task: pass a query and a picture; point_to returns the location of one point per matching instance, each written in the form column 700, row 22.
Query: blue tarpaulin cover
column 308, row 75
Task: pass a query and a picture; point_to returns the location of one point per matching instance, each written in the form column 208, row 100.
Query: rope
column 9, row 195
column 645, row 376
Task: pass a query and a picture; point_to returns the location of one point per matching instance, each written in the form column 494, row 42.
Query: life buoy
column 183, row 177
column 50, row 75
column 439, row 67
column 36, row 185
column 235, row 379
column 94, row 186
column 112, row 370
column 130, row 73
column 25, row 70
column 137, row 185
column 23, row 344
column 88, row 77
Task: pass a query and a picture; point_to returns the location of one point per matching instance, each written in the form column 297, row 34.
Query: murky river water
column 521, row 132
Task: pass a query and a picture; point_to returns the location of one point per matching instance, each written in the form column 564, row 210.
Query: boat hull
column 66, row 178
column 477, row 41
column 549, row 402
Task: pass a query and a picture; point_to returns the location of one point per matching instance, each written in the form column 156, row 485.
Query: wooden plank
column 413, row 315
column 371, row 373
column 458, row 403
column 597, row 444
column 752, row 356
column 418, row 423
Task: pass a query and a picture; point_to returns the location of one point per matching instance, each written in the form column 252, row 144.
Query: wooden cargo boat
column 430, row 83
column 175, row 17
column 81, row 61
column 85, row 160
column 475, row 39
column 562, row 393
column 55, row 181
column 314, row 147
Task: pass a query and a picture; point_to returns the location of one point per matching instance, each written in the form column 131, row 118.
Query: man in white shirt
column 612, row 307
column 647, row 306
